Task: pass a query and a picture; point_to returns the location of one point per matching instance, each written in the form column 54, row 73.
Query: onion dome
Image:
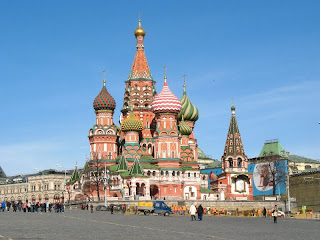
column 188, row 111
column 166, row 101
column 139, row 31
column 131, row 123
column 184, row 128
column 104, row 101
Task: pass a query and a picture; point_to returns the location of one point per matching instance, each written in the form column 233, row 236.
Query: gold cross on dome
column 104, row 77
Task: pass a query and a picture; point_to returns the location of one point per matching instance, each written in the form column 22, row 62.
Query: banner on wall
column 263, row 175
column 212, row 174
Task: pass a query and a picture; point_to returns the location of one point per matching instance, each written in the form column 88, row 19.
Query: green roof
column 75, row 175
column 136, row 168
column 206, row 190
column 2, row 174
column 184, row 167
column 273, row 147
column 296, row 158
column 149, row 166
column 114, row 168
column 201, row 154
column 123, row 165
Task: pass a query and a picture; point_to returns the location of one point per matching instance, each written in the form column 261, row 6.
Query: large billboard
column 269, row 178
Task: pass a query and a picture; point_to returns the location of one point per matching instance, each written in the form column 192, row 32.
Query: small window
column 189, row 174
column 178, row 173
column 153, row 173
column 167, row 173
column 149, row 173
column 195, row 175
column 173, row 173
column 161, row 173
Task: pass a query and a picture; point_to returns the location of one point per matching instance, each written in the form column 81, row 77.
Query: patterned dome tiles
column 131, row 124
column 104, row 101
column 166, row 101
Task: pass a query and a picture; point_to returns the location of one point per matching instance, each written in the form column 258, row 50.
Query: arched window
column 230, row 162
column 189, row 174
column 195, row 175
column 239, row 163
column 161, row 173
column 153, row 173
column 149, row 173
column 167, row 173
column 173, row 173
column 178, row 173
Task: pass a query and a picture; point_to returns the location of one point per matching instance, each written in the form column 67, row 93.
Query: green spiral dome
column 131, row 124
column 184, row 128
column 188, row 111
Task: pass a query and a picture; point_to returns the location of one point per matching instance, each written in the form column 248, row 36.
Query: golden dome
column 139, row 31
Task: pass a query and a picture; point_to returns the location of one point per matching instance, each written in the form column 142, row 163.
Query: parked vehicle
column 101, row 208
column 157, row 207
column 281, row 214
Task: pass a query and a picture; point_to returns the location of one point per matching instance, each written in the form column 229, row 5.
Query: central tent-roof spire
column 140, row 68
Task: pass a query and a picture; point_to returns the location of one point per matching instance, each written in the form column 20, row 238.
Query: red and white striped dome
column 166, row 101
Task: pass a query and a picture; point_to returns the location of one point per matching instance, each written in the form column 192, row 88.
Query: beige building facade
column 47, row 186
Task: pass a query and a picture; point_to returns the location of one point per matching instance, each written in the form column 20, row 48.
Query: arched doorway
column 154, row 191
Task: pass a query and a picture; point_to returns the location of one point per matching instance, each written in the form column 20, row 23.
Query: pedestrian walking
column 193, row 211
column 200, row 212
column 111, row 208
column 264, row 212
column 275, row 214
column 91, row 207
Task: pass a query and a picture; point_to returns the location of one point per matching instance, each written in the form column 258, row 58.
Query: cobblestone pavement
column 79, row 224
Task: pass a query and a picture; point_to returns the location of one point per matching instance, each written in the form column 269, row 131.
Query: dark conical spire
column 75, row 175
column 123, row 165
column 234, row 146
column 136, row 168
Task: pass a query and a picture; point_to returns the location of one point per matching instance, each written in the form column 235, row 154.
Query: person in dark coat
column 264, row 212
column 91, row 207
column 200, row 212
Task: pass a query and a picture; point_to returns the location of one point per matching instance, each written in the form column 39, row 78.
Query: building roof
column 136, row 168
column 273, row 147
column 234, row 146
column 75, row 175
column 104, row 100
column 123, row 164
column 140, row 68
column 188, row 111
column 132, row 123
column 299, row 159
column 184, row 128
column 166, row 101
column 2, row 174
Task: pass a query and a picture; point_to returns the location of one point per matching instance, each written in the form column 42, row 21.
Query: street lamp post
column 288, row 190
column 64, row 186
column 106, row 176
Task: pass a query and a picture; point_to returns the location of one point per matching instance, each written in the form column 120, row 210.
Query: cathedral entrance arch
column 154, row 191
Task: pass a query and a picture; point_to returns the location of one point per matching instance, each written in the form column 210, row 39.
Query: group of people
column 196, row 210
column 31, row 207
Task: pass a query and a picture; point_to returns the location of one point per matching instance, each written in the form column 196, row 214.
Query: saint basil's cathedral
column 153, row 154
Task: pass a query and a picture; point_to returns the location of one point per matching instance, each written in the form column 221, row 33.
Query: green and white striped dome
column 188, row 111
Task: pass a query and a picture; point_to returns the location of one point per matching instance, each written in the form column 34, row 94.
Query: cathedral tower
column 103, row 136
column 139, row 94
column 234, row 158
column 166, row 107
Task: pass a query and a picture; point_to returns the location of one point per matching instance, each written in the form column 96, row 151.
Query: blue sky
column 264, row 54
